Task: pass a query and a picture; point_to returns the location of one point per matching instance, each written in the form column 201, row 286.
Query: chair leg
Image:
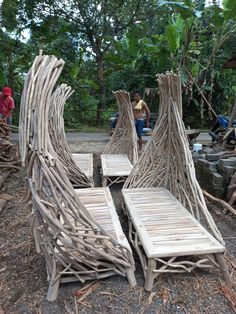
column 131, row 276
column 53, row 289
column 104, row 181
column 223, row 267
column 150, row 275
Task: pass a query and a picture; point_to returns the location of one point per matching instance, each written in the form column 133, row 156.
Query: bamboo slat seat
column 169, row 223
column 85, row 162
column 165, row 227
column 123, row 144
column 100, row 205
column 115, row 168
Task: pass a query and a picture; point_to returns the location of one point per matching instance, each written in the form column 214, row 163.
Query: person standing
column 6, row 105
column 139, row 108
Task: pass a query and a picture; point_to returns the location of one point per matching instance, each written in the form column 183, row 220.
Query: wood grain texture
column 63, row 228
column 73, row 169
column 115, row 165
column 85, row 162
column 168, row 229
column 169, row 223
column 124, row 138
column 167, row 161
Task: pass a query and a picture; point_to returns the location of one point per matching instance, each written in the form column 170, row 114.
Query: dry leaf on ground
column 229, row 295
column 6, row 197
column 151, row 295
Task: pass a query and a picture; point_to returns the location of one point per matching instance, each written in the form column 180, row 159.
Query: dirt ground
column 23, row 282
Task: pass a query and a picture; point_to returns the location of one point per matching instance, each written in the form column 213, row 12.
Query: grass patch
column 88, row 129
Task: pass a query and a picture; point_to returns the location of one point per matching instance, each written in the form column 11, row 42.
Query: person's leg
column 140, row 143
column 139, row 128
column 9, row 120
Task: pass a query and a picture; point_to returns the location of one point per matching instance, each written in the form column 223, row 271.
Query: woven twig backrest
column 167, row 160
column 124, row 138
column 58, row 137
column 64, row 230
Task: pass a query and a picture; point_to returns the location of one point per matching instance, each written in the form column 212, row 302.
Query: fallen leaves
column 165, row 295
column 150, row 298
column 229, row 295
column 6, row 197
column 83, row 293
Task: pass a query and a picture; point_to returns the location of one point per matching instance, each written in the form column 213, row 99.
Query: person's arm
column 147, row 114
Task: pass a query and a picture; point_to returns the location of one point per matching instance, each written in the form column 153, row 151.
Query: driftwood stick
column 2, row 204
column 200, row 91
column 8, row 165
column 166, row 160
column 65, row 231
column 124, row 138
column 222, row 202
column 4, row 176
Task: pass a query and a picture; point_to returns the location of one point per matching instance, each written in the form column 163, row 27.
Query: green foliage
column 110, row 45
column 229, row 7
column 9, row 10
column 173, row 38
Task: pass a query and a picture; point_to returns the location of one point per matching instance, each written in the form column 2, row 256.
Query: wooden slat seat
column 85, row 162
column 99, row 203
column 165, row 228
column 115, row 168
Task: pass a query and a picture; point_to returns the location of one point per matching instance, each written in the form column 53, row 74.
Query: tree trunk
column 233, row 116
column 101, row 84
column 10, row 70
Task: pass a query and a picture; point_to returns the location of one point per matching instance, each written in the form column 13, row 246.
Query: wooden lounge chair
column 79, row 169
column 85, row 162
column 77, row 243
column 170, row 226
column 121, row 152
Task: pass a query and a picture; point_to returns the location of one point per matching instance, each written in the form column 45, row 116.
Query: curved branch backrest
column 167, row 161
column 64, row 230
column 124, row 138
column 58, row 137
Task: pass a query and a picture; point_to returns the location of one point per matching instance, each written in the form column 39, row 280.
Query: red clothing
column 6, row 105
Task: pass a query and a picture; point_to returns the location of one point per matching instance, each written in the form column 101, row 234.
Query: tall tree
column 96, row 23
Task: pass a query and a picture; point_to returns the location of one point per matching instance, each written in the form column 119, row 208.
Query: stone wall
column 214, row 173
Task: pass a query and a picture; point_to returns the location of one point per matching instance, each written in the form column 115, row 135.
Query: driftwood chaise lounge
column 78, row 167
column 79, row 234
column 170, row 226
column 121, row 152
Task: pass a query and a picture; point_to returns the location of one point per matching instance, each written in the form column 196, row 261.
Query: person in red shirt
column 6, row 105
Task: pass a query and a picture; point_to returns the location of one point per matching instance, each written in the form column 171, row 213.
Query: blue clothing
column 139, row 124
column 113, row 123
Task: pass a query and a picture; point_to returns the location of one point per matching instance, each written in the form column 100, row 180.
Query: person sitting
column 6, row 105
